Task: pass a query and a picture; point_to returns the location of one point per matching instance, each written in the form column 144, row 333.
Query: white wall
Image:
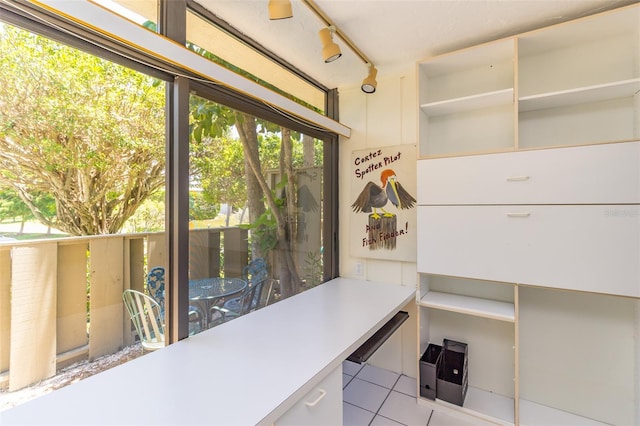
column 385, row 118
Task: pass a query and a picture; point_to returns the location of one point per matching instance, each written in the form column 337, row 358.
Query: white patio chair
column 146, row 315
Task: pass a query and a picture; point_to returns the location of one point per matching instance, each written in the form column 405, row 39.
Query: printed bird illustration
column 306, row 201
column 376, row 197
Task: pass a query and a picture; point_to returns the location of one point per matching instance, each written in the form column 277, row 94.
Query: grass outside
column 35, row 230
column 28, row 231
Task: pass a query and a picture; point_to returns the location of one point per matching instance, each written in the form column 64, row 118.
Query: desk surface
column 260, row 365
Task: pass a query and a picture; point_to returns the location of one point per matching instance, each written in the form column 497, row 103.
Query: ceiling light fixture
column 280, row 9
column 330, row 50
column 369, row 84
column 324, row 18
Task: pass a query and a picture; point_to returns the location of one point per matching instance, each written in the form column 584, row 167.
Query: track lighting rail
column 281, row 9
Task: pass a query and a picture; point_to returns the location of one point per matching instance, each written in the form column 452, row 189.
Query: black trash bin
column 452, row 379
column 428, row 370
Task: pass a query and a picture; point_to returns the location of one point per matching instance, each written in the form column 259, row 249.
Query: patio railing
column 61, row 299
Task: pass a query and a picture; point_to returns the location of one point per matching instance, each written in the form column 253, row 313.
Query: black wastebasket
column 452, row 379
column 428, row 370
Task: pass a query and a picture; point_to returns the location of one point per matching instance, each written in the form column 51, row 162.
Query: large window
column 93, row 153
column 255, row 213
column 82, row 190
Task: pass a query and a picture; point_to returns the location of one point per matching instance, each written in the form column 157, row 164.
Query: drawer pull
column 318, row 399
column 519, row 214
column 517, row 178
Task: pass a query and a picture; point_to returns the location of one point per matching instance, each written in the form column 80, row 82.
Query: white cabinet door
column 467, row 241
column 322, row 406
column 592, row 248
column 597, row 174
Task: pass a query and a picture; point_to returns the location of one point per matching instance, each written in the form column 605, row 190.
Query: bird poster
column 383, row 203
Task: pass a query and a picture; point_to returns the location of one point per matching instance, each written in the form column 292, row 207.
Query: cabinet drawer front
column 589, row 248
column 466, row 241
column 321, row 406
column 596, row 174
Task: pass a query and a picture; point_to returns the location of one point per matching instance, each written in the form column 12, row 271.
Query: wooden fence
column 61, row 299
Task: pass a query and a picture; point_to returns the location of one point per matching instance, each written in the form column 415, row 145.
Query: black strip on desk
column 367, row 349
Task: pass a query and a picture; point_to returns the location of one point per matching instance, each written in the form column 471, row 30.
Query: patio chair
column 155, row 287
column 146, row 317
column 255, row 296
column 254, row 272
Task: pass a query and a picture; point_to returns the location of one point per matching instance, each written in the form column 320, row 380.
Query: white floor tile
column 355, row 416
column 351, row 368
column 406, row 385
column 379, row 376
column 383, row 421
column 368, row 401
column 404, row 409
column 365, row 395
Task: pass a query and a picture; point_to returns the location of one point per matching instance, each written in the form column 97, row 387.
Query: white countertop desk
column 248, row 371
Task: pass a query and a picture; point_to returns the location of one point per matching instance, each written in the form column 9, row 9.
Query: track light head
column 280, row 9
column 330, row 50
column 369, row 84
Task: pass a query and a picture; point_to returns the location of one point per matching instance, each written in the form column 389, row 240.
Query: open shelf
column 582, row 95
column 469, row 103
column 485, row 308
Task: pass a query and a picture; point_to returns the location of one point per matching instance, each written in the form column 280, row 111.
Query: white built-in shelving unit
column 529, row 220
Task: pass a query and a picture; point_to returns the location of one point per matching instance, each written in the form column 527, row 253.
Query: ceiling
column 393, row 34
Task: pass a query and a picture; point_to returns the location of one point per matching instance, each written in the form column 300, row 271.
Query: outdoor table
column 207, row 292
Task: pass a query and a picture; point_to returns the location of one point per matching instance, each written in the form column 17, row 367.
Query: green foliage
column 200, row 208
column 209, row 119
column 264, row 229
column 218, row 159
column 313, row 268
column 85, row 130
column 217, row 164
column 269, row 146
column 12, row 206
column 149, row 217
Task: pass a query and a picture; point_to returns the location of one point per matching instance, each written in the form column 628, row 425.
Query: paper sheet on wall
column 383, row 205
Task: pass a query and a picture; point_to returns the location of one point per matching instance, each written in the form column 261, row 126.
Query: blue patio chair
column 155, row 287
column 254, row 272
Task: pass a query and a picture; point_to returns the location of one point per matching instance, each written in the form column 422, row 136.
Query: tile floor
column 378, row 397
